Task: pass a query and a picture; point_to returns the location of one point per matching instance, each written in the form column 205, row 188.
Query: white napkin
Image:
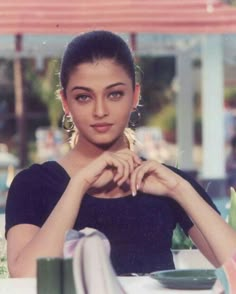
column 92, row 268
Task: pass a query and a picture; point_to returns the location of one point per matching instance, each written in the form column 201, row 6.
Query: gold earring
column 67, row 123
column 134, row 118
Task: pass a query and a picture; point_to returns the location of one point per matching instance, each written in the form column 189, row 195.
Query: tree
column 46, row 86
column 156, row 78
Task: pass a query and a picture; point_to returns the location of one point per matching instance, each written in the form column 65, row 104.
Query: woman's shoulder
column 187, row 176
column 36, row 168
column 195, row 184
column 40, row 171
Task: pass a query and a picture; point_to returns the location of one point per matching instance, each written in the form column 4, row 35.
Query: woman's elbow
column 21, row 270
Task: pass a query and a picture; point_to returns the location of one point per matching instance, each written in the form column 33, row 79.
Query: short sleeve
column 23, row 203
column 181, row 216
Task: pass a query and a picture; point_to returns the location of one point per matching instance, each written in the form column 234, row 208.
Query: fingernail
column 133, row 193
column 137, row 187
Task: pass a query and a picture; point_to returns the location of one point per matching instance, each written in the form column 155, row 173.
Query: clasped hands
column 125, row 166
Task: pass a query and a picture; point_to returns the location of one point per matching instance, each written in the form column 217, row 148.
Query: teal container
column 49, row 276
column 68, row 277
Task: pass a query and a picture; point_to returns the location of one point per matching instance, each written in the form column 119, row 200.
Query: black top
column 139, row 228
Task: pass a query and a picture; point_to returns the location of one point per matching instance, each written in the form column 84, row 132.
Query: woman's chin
column 107, row 143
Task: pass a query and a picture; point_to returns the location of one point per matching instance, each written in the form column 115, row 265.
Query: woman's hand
column 154, row 178
column 109, row 167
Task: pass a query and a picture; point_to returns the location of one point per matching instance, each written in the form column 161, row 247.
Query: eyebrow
column 90, row 90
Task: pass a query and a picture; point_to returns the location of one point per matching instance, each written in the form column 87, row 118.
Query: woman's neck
column 84, row 152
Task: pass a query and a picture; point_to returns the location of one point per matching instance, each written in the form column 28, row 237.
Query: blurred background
column 185, row 53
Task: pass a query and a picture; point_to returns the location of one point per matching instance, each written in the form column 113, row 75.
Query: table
column 133, row 285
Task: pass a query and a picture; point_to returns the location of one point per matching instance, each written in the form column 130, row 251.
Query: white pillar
column 213, row 165
column 184, row 111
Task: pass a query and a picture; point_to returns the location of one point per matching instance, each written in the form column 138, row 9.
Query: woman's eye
column 82, row 98
column 116, row 95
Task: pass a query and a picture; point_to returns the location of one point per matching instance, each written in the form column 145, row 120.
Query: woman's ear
column 136, row 96
column 64, row 101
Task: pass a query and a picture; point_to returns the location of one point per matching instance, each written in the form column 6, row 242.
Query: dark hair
column 96, row 45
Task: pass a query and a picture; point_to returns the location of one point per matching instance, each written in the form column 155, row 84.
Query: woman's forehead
column 104, row 69
column 108, row 64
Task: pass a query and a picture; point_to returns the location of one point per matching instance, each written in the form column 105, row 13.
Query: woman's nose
column 100, row 109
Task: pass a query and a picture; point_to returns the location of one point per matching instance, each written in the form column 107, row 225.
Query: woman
column 94, row 184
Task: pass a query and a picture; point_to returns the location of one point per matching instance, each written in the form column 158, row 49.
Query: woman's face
column 100, row 98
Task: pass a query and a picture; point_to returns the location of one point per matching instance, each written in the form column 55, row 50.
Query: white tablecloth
column 133, row 285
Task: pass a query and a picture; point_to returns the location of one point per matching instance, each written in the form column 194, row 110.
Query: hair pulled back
column 93, row 46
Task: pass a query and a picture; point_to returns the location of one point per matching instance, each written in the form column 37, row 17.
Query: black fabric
column 139, row 228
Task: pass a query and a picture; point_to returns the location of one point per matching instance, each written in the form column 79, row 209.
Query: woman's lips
column 102, row 128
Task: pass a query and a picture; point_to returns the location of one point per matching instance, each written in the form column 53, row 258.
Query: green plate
column 186, row 279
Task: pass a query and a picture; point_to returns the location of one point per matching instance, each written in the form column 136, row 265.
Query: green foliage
column 156, row 77
column 46, row 87
column 3, row 268
column 39, row 110
column 232, row 210
column 230, row 96
column 180, row 240
column 231, row 2
column 3, row 258
column 6, row 98
column 165, row 119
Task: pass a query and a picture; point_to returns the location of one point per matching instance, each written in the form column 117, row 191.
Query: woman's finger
column 116, row 165
column 131, row 157
column 139, row 174
column 136, row 179
column 127, row 166
column 127, row 153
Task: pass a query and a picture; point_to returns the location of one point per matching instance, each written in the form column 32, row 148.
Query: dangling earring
column 134, row 118
column 67, row 123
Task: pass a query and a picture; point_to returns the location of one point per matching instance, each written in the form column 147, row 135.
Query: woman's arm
column 220, row 237
column 201, row 243
column 25, row 243
column 214, row 233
